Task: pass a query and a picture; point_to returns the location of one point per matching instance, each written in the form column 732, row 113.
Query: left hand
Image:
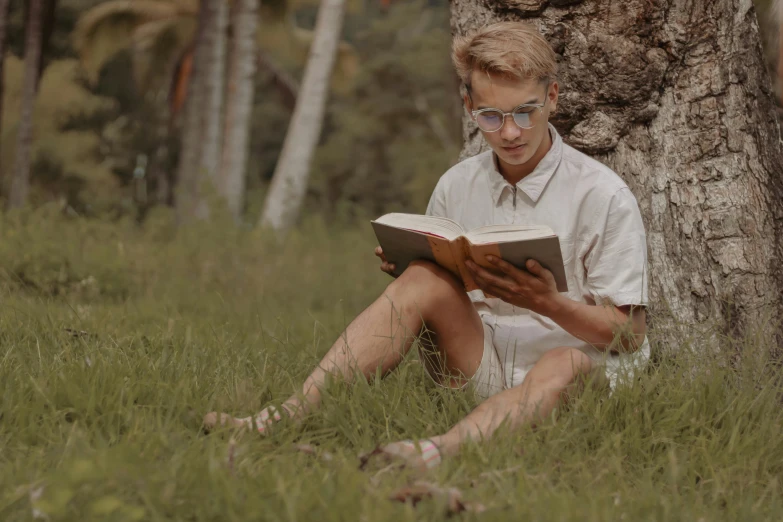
column 534, row 289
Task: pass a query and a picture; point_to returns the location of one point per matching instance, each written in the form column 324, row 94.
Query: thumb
column 535, row 268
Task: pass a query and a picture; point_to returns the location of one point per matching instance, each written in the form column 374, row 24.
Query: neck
column 516, row 173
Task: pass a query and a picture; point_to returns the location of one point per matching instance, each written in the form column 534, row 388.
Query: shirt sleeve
column 616, row 259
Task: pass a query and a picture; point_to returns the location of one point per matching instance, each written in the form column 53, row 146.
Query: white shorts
column 489, row 378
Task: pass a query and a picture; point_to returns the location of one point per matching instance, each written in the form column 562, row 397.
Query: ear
column 552, row 95
column 468, row 102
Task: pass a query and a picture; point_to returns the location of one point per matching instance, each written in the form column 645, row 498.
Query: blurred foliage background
column 392, row 125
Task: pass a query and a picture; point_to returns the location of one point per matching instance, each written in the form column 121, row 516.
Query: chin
column 514, row 159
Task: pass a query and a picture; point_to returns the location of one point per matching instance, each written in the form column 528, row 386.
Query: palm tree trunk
column 3, row 26
column 214, row 76
column 189, row 200
column 289, row 183
column 239, row 104
column 20, row 185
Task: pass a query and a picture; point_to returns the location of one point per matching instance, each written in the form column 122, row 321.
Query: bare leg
column 383, row 333
column 553, row 378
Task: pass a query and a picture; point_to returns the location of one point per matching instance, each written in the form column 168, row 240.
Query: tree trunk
column 189, row 198
column 20, row 185
column 239, row 104
column 214, row 76
column 3, row 29
column 778, row 8
column 289, row 182
column 674, row 96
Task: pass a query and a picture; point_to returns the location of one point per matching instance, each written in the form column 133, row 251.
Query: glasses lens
column 490, row 120
column 522, row 117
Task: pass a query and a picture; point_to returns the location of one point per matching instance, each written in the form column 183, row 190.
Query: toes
column 210, row 420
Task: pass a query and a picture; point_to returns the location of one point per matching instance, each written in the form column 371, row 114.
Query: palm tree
column 289, row 183
column 214, row 77
column 3, row 24
column 239, row 100
column 190, row 202
column 20, row 185
column 161, row 35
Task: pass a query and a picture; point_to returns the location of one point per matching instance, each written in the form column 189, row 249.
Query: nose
column 510, row 131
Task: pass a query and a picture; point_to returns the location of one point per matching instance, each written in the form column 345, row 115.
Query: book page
column 501, row 233
column 433, row 225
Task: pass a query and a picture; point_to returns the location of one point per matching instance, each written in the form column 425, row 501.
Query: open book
column 408, row 237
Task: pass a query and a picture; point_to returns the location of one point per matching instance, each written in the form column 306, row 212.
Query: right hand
column 385, row 265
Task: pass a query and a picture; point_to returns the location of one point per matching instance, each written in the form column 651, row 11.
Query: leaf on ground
column 421, row 490
column 80, row 333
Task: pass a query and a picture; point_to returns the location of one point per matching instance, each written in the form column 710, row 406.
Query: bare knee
column 426, row 282
column 561, row 367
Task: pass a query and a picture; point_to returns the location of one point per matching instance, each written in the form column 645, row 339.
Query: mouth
column 516, row 148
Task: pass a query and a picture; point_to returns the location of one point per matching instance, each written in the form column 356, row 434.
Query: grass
column 104, row 424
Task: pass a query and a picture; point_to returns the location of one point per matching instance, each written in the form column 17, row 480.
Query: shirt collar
column 534, row 183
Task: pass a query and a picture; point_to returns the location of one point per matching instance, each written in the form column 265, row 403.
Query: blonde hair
column 513, row 49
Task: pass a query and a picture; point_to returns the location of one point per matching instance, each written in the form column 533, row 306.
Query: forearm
column 599, row 325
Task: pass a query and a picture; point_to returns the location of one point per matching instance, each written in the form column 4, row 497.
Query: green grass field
column 115, row 341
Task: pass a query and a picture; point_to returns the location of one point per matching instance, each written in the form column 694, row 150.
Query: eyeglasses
column 492, row 120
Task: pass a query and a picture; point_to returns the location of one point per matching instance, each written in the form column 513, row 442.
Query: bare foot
column 407, row 454
column 264, row 420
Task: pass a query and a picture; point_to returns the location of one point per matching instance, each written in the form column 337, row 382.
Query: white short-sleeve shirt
column 593, row 213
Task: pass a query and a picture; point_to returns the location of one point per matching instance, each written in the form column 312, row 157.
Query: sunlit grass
column 114, row 342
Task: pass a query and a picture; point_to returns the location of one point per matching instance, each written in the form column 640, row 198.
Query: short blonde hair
column 513, row 49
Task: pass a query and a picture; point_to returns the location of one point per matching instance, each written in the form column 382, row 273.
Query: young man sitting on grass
column 528, row 348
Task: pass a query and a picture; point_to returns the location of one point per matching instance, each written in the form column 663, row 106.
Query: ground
column 114, row 341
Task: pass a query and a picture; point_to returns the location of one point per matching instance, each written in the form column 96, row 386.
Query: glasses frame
column 475, row 114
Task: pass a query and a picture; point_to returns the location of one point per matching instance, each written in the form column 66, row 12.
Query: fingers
column 486, row 279
column 535, row 268
column 387, row 267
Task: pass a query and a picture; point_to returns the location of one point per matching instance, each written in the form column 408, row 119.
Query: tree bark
column 189, row 202
column 289, row 182
column 239, row 104
column 214, row 76
column 20, row 185
column 778, row 9
column 674, row 96
column 3, row 29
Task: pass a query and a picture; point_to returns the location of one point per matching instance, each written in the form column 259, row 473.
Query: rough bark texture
column 3, row 29
column 190, row 200
column 289, row 183
column 20, row 185
column 239, row 103
column 674, row 96
column 779, row 20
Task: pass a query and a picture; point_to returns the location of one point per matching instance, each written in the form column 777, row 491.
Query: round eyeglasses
column 492, row 120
